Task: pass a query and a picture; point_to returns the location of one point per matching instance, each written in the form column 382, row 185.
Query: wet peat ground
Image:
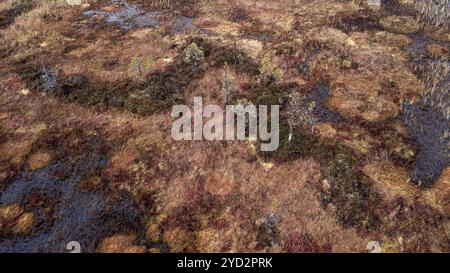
column 65, row 212
column 427, row 125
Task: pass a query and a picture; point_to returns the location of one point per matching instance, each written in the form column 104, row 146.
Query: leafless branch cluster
column 300, row 111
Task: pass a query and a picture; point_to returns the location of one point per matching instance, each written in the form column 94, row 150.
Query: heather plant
column 265, row 65
column 10, row 4
column 235, row 54
column 243, row 101
column 278, row 74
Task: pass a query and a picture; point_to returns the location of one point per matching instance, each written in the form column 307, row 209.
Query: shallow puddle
column 426, row 120
column 429, row 125
column 323, row 114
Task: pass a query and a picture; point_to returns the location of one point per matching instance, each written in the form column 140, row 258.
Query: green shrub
column 269, row 73
column 194, row 55
column 139, row 67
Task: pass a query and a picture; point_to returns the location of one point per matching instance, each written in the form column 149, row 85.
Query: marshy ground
column 86, row 152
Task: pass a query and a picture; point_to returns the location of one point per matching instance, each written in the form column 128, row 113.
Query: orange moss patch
column 438, row 51
column 14, row 220
column 219, row 183
column 439, row 34
column 39, row 160
column 120, row 244
column 10, row 213
column 325, row 130
column 23, row 223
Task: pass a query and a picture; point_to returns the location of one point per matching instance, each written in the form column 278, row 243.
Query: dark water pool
column 77, row 215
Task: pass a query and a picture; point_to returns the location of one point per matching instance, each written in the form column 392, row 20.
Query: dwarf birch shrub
column 193, row 55
column 139, row 67
column 269, row 73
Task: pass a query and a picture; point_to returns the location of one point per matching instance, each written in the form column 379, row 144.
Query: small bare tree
column 227, row 83
column 300, row 113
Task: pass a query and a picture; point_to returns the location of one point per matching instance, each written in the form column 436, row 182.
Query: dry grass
column 9, row 4
column 27, row 28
